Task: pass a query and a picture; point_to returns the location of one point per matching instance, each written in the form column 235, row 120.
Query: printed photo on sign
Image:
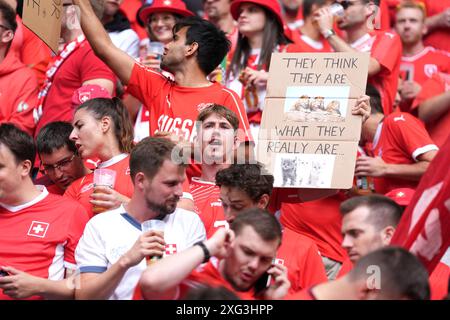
column 316, row 104
column 303, row 170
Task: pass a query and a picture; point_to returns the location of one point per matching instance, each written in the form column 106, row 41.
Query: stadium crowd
column 150, row 114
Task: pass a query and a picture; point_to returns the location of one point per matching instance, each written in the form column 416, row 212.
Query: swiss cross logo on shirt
column 171, row 249
column 38, row 229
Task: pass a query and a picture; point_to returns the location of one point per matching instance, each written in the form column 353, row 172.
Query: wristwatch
column 328, row 33
column 205, row 251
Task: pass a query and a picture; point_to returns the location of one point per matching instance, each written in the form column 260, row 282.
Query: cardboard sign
column 308, row 136
column 43, row 17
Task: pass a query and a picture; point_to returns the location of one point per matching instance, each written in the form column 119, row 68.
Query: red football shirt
column 205, row 274
column 82, row 65
column 130, row 8
column 439, row 128
column 301, row 257
column 439, row 281
column 386, row 48
column 18, row 93
column 207, row 204
column 319, row 220
column 40, row 237
column 82, row 188
column 422, row 66
column 33, row 52
column 175, row 108
column 400, row 139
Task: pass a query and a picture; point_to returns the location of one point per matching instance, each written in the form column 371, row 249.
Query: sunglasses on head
column 346, row 3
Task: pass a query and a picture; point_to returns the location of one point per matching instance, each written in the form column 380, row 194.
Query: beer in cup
column 156, row 50
column 155, row 225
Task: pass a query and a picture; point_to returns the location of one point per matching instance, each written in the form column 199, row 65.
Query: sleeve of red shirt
column 313, row 268
column 94, row 68
column 387, row 50
column 411, row 135
column 78, row 220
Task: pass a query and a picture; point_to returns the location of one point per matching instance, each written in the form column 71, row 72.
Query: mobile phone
column 408, row 75
column 262, row 284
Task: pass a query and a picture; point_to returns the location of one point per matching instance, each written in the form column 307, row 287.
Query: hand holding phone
column 279, row 286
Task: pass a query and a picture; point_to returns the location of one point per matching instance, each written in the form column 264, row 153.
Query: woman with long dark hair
column 261, row 33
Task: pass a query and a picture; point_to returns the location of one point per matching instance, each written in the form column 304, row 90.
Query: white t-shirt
column 111, row 234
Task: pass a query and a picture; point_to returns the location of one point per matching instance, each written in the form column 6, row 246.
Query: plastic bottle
column 364, row 184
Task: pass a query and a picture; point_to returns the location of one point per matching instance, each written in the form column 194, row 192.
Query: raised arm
column 119, row 62
column 440, row 20
column 376, row 167
column 324, row 20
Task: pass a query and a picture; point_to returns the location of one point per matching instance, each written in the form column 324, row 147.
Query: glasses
column 61, row 165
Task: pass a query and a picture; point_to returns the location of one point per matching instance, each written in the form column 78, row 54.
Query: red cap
column 271, row 5
column 88, row 92
column 172, row 6
column 402, row 196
